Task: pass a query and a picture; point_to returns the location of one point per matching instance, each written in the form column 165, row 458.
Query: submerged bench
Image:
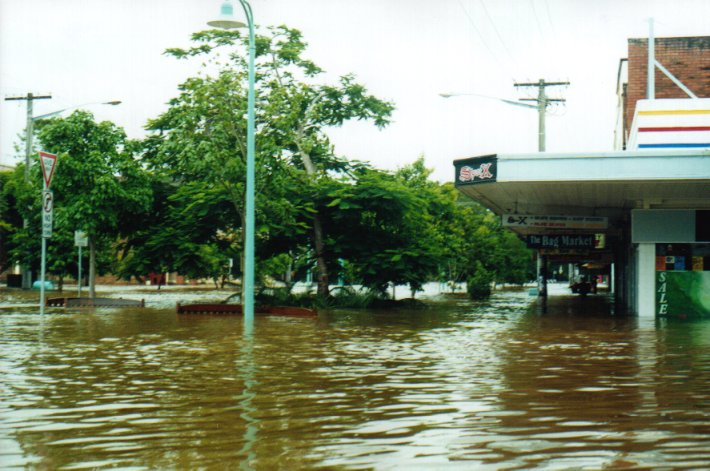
column 96, row 302
column 236, row 309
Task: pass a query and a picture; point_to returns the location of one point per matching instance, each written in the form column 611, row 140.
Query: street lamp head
column 446, row 95
column 226, row 18
column 112, row 102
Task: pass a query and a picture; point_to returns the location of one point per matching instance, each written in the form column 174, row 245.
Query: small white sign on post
column 80, row 239
column 47, row 213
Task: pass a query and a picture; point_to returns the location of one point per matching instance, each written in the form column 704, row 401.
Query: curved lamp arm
column 54, row 113
column 510, row 102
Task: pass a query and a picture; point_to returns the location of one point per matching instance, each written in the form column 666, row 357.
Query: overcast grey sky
column 407, row 51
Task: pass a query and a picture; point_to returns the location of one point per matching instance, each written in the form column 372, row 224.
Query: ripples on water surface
column 497, row 385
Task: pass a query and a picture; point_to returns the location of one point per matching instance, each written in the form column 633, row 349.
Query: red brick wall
column 686, row 58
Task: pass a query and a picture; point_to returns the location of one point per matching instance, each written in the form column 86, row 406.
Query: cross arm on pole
column 535, row 84
column 29, row 96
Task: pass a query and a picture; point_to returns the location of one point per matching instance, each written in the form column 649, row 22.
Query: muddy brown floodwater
column 501, row 384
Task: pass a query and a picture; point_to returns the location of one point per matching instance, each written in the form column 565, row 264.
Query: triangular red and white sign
column 48, row 162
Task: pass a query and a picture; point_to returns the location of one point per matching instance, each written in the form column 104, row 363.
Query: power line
column 495, row 28
column 483, row 39
column 537, row 20
column 549, row 18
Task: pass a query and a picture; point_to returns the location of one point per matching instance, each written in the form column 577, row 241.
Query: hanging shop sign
column 562, row 241
column 555, row 222
column 476, row 170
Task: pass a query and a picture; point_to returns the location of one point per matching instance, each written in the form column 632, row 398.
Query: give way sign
column 48, row 162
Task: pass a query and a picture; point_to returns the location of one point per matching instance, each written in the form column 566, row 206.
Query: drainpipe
column 651, row 77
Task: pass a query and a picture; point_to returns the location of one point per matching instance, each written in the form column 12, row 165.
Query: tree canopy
column 175, row 200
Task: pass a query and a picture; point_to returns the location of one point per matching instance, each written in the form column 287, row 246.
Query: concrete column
column 646, row 280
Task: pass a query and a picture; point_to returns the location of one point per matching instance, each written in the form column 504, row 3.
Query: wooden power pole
column 29, row 131
column 542, row 101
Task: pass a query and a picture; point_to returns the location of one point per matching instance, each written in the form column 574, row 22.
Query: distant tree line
column 174, row 201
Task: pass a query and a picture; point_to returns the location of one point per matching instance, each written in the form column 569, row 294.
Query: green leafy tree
column 10, row 220
column 382, row 225
column 179, row 234
column 203, row 132
column 478, row 250
column 514, row 261
column 99, row 185
column 478, row 283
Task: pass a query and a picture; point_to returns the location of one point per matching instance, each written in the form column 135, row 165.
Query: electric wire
column 537, row 20
column 549, row 20
column 495, row 28
column 483, row 40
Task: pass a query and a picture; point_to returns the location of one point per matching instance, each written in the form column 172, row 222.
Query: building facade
column 687, row 58
column 649, row 200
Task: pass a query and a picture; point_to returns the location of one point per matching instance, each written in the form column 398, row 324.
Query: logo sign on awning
column 48, row 162
column 555, row 222
column 476, row 170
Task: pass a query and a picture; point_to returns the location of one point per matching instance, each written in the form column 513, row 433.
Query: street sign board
column 80, row 239
column 48, row 162
column 555, row 222
column 47, row 213
column 560, row 241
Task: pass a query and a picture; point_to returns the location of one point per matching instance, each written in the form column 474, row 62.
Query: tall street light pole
column 226, row 20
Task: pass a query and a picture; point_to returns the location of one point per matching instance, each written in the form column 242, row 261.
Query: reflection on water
column 462, row 385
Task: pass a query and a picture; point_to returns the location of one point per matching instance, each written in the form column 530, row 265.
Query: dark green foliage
column 479, row 282
column 98, row 186
column 10, row 219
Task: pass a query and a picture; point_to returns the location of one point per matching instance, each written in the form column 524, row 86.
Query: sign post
column 48, row 163
column 80, row 240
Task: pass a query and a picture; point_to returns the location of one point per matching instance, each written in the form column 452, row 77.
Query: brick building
column 688, row 58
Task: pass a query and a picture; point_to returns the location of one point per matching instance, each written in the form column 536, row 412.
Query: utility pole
column 542, row 101
column 29, row 132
